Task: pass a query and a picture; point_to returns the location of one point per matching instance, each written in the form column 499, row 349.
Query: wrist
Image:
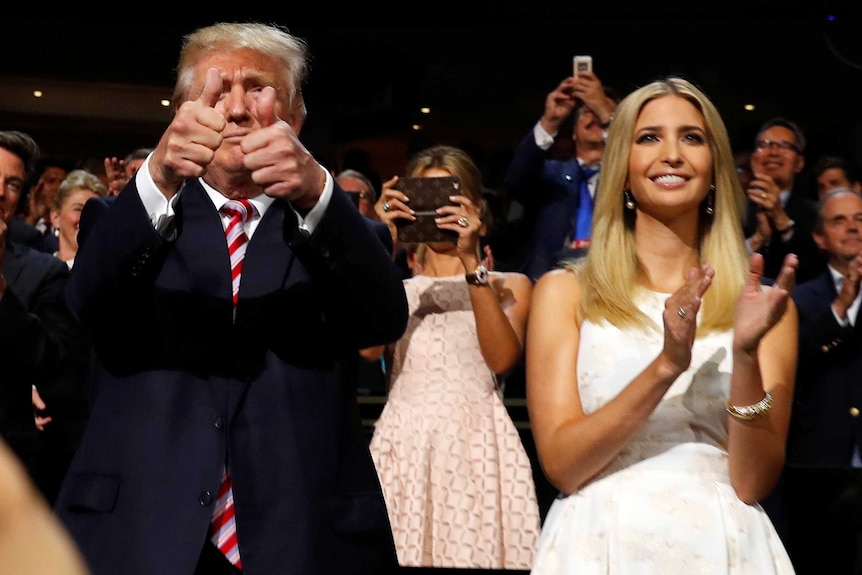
column 788, row 225
column 606, row 121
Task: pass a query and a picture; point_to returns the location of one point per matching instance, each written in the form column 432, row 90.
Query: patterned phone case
column 426, row 195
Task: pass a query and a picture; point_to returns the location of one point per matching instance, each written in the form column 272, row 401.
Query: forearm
column 584, row 445
column 500, row 345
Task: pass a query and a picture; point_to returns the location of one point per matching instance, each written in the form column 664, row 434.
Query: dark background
column 484, row 68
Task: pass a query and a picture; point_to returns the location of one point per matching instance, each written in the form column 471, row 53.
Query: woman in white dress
column 660, row 370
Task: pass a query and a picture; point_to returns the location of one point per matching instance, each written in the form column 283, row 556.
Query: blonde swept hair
column 74, row 181
column 269, row 40
column 611, row 274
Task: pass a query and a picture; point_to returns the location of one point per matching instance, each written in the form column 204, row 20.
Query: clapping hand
column 761, row 307
column 680, row 316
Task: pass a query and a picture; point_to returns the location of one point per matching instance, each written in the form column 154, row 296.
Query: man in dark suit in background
column 556, row 191
column 35, row 323
column 780, row 216
column 195, row 383
column 822, row 488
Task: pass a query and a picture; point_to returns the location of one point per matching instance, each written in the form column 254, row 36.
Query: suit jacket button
column 824, row 348
column 205, row 498
column 219, row 423
column 854, row 412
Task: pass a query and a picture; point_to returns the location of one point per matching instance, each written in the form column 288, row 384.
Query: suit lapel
column 268, row 257
column 202, row 243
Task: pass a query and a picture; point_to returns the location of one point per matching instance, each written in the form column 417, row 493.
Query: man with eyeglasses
column 780, row 216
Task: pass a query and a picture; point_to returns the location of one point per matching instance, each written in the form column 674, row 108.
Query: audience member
column 78, row 187
column 118, row 171
column 40, row 198
column 822, row 483
column 835, row 172
column 36, row 326
column 359, row 189
column 224, row 433
column 659, row 369
column 62, row 402
column 458, row 482
column 780, row 216
column 32, row 540
column 557, row 194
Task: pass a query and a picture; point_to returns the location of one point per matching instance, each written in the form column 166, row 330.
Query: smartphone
column 426, row 195
column 582, row 63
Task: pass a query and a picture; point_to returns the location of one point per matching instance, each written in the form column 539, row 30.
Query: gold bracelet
column 753, row 411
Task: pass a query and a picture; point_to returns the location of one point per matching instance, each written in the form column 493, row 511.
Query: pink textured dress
column 457, row 480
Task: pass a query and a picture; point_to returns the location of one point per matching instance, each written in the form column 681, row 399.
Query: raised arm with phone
column 549, row 189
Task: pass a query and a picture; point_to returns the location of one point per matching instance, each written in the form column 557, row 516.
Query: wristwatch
column 479, row 277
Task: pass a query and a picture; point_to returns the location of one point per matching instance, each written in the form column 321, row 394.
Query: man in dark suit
column 822, row 487
column 193, row 384
column 35, row 323
column 548, row 185
column 780, row 216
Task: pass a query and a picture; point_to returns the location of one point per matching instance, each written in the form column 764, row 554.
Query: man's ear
column 819, row 239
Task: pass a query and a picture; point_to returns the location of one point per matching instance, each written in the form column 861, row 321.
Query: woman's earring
column 630, row 201
column 710, row 201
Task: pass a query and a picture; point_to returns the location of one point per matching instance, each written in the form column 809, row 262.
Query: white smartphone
column 583, row 63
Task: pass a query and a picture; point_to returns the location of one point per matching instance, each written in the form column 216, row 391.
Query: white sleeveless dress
column 664, row 505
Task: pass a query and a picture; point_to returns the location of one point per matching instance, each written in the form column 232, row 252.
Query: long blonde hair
column 611, row 275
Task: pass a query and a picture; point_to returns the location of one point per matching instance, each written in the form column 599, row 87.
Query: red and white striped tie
column 223, row 519
column 239, row 211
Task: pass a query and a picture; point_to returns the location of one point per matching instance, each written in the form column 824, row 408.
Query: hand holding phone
column 582, row 63
column 426, row 195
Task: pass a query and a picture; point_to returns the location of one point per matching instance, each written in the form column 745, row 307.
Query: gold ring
column 762, row 195
column 681, row 312
column 463, row 221
column 386, row 206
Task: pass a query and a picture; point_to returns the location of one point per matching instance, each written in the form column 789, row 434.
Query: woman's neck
column 442, row 265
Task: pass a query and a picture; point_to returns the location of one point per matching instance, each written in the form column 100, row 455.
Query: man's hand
column 189, row 144
column 278, row 161
column 590, row 91
column 764, row 192
column 116, row 175
column 849, row 288
column 39, row 406
column 558, row 106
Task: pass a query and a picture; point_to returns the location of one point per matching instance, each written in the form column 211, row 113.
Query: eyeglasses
column 762, row 145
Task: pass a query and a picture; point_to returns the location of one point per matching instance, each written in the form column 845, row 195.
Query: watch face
column 481, row 275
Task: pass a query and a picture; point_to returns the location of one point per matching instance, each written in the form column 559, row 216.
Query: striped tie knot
column 239, row 211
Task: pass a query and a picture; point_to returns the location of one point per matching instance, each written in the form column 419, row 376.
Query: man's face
column 244, row 75
column 362, row 198
column 831, row 179
column 776, row 153
column 12, row 174
column 588, row 128
column 842, row 227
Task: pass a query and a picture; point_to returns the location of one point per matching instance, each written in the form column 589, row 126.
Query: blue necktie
column 584, row 216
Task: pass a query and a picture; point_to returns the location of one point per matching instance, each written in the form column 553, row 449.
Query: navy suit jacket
column 549, row 190
column 35, row 329
column 180, row 388
column 823, row 427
